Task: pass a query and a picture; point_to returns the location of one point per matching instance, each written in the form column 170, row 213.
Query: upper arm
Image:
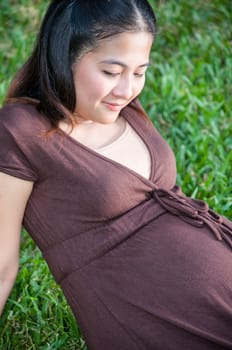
column 14, row 194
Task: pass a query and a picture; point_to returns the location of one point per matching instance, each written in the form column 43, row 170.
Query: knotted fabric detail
column 194, row 212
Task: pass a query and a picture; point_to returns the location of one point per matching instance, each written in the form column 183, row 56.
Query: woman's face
column 111, row 76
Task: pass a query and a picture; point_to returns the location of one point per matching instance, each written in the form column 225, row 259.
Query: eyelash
column 116, row 74
column 110, row 74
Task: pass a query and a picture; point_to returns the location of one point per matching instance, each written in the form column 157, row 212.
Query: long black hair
column 69, row 29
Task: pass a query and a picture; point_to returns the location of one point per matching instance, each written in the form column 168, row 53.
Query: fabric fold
column 195, row 212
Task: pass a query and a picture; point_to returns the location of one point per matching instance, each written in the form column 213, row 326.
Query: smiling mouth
column 114, row 106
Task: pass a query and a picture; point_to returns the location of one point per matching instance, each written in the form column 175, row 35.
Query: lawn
column 188, row 96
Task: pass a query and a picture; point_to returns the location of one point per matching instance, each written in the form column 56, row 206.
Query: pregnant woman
column 142, row 266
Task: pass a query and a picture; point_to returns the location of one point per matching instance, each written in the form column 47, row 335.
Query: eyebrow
column 119, row 63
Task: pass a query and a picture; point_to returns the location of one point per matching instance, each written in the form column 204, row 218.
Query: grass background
column 187, row 96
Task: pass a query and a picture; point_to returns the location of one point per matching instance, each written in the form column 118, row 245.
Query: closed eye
column 139, row 75
column 110, row 74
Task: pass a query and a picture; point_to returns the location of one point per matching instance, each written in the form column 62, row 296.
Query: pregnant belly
column 169, row 284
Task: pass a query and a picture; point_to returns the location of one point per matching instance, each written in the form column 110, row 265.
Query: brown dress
column 142, row 266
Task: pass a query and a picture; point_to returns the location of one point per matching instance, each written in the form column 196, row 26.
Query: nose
column 124, row 89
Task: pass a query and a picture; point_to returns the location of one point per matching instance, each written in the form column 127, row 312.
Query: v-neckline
column 140, row 133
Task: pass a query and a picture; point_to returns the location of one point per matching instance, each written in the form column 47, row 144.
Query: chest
column 129, row 150
column 98, row 186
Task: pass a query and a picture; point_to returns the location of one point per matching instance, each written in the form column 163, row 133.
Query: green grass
column 188, row 97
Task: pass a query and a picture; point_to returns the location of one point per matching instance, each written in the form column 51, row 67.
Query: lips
column 114, row 106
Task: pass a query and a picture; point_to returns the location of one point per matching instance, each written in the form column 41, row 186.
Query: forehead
column 128, row 47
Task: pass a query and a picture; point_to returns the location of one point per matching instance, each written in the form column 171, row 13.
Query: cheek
column 93, row 86
column 139, row 86
column 85, row 82
column 102, row 86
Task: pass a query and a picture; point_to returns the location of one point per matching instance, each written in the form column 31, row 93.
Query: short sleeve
column 15, row 145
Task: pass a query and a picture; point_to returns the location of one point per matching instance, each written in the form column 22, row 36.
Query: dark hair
column 71, row 28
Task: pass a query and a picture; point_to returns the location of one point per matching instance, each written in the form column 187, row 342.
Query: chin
column 109, row 119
